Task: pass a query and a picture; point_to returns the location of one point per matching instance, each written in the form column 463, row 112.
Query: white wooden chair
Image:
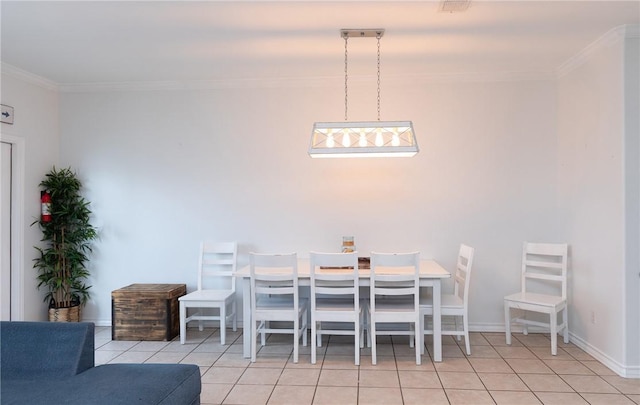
column 275, row 297
column 395, row 297
column 542, row 264
column 217, row 263
column 335, row 297
column 455, row 305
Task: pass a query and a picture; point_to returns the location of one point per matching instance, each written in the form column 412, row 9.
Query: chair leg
column 361, row 330
column 465, row 325
column 254, row 337
column 365, row 326
column 356, row 338
column 223, row 323
column 565, row 319
column 263, row 338
column 422, row 333
column 296, row 339
column 507, row 323
column 412, row 337
column 372, row 332
column 314, row 338
column 305, row 326
column 183, row 322
column 417, row 339
column 235, row 316
column 554, row 332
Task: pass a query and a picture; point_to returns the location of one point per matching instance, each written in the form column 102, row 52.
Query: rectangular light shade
column 363, row 139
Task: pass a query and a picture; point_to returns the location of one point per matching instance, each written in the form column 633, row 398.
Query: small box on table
column 146, row 311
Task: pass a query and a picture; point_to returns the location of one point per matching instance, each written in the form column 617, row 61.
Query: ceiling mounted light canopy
column 364, row 138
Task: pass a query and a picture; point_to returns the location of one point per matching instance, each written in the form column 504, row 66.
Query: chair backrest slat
column 337, row 290
column 394, row 291
column 546, row 262
column 211, row 261
column 280, row 274
column 217, row 261
column 273, row 274
column 395, row 274
column 544, row 265
column 535, row 276
column 334, row 274
column 462, row 277
column 269, row 290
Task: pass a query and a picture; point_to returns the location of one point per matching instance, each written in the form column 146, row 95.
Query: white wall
column 165, row 169
column 591, row 192
column 36, row 113
column 632, row 201
column 500, row 162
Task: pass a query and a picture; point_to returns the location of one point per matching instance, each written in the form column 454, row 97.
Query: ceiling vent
column 454, row 6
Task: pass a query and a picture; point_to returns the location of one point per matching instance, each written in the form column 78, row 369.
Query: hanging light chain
column 378, row 35
column 345, row 35
column 346, row 38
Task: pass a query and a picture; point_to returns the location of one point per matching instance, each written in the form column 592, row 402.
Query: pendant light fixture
column 364, row 138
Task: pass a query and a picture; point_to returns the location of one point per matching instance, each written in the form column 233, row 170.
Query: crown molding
column 196, row 84
column 472, row 77
column 296, row 82
column 608, row 39
column 28, row 77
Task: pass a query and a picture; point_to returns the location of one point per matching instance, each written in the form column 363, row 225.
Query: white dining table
column 431, row 274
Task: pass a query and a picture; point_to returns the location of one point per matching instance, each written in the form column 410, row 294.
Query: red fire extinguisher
column 45, row 201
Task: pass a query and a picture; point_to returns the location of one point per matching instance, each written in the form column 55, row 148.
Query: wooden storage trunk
column 146, row 311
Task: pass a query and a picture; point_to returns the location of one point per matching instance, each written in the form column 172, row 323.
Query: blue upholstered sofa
column 53, row 363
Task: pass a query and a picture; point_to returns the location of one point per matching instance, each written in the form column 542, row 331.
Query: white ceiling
column 123, row 41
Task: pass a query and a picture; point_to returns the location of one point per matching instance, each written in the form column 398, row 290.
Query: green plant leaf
column 62, row 261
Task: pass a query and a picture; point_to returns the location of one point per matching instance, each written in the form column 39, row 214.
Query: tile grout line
column 528, row 346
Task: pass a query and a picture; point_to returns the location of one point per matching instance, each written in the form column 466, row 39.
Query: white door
column 5, row 235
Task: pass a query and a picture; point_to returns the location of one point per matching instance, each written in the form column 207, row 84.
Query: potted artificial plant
column 67, row 235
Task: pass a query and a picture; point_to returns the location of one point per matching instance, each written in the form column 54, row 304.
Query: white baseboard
column 620, row 369
column 107, row 322
column 489, row 327
column 99, row 322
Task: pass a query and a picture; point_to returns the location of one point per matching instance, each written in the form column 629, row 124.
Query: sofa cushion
column 38, row 350
column 143, row 384
column 112, row 384
column 20, row 392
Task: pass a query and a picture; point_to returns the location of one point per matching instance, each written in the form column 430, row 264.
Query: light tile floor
column 523, row 373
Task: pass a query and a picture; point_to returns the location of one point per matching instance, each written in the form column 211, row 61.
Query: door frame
column 17, row 224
